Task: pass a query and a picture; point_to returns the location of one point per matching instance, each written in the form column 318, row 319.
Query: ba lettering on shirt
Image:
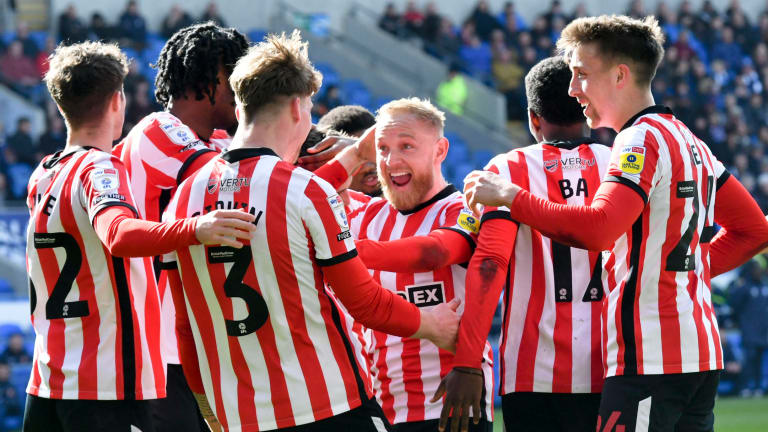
column 658, row 271
column 408, row 371
column 156, row 152
column 550, row 339
column 271, row 338
column 96, row 317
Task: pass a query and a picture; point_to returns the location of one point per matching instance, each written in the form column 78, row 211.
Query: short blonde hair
column 272, row 70
column 618, row 38
column 82, row 78
column 422, row 109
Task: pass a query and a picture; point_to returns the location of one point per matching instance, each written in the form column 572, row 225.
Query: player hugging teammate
column 303, row 305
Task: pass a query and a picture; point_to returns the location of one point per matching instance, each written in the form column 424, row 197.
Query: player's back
column 85, row 303
column 551, row 337
column 659, row 270
column 264, row 322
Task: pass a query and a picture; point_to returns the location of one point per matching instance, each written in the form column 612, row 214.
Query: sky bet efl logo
column 632, row 159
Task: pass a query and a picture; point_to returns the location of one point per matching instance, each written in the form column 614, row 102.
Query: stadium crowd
column 713, row 76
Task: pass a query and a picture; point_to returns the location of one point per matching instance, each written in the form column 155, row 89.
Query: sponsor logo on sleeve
column 105, row 179
column 632, row 159
column 337, row 206
column 468, row 221
column 113, row 196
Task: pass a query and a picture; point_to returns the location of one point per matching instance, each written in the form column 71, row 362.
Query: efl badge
column 468, row 222
column 105, row 179
column 632, row 159
column 337, row 205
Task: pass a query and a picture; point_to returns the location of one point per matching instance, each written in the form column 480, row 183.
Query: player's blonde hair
column 273, row 70
column 619, row 38
column 82, row 78
column 422, row 109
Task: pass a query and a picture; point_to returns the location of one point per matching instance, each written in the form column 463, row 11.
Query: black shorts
column 178, row 411
column 657, row 403
column 66, row 415
column 368, row 417
column 571, row 412
column 431, row 426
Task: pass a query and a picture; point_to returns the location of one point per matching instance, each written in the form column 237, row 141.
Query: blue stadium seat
column 39, row 36
column 8, row 329
column 5, row 287
column 256, row 35
column 330, row 76
column 320, row 24
column 8, row 36
column 482, row 157
column 379, row 101
column 20, row 375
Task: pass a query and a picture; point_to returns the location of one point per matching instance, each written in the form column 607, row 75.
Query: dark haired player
column 655, row 212
column 165, row 147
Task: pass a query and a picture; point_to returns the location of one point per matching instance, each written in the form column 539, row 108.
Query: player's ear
column 534, row 122
column 442, row 149
column 116, row 100
column 623, row 75
column 296, row 109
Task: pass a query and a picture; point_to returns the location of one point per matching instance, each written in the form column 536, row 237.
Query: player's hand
column 324, row 151
column 490, row 189
column 463, row 388
column 441, row 325
column 224, row 227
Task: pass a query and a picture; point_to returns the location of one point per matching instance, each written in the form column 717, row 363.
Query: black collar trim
column 239, row 154
column 570, row 144
column 653, row 109
column 447, row 191
column 61, row 155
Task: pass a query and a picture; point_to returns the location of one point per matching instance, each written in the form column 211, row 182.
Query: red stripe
column 562, row 368
column 277, row 237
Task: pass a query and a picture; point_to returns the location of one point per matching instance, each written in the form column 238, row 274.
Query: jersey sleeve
column 105, row 183
column 503, row 165
column 460, row 219
column 326, row 220
column 635, row 160
column 169, row 260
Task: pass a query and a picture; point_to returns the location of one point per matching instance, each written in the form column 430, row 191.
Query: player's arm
column 187, row 349
column 485, row 280
column 744, row 231
column 438, row 249
column 595, row 227
column 337, row 159
column 193, row 163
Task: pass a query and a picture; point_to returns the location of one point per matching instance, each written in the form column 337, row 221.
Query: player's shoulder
column 163, row 129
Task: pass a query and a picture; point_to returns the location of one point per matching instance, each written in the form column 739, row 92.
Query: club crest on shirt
column 337, row 206
column 105, row 179
column 468, row 221
column 551, row 165
column 632, row 159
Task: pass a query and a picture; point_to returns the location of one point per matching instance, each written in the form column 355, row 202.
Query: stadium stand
column 714, row 77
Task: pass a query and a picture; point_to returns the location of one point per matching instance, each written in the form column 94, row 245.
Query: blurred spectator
column 42, row 57
column 413, row 19
column 140, row 104
column 21, row 143
column 510, row 15
column 71, row 28
column 555, row 12
column 432, row 22
column 9, row 399
column 17, row 175
column 329, row 100
column 211, row 13
column 132, row 27
column 99, row 29
column 732, row 366
column 452, row 92
column 19, row 70
column 508, row 76
column 176, row 20
column 727, row 49
column 476, row 57
column 4, row 189
column 390, row 21
column 579, row 11
column 447, row 44
column 749, row 300
column 30, row 47
column 485, row 23
column 15, row 352
column 636, row 9
column 53, row 139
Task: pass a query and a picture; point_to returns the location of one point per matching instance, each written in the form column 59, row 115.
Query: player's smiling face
column 406, row 150
column 592, row 85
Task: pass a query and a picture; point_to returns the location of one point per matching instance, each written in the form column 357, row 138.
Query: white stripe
column 643, row 415
column 378, row 424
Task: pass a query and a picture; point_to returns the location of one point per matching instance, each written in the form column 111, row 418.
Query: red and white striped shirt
column 659, row 317
column 219, row 140
column 407, row 371
column 156, row 153
column 283, row 360
column 550, row 339
column 96, row 317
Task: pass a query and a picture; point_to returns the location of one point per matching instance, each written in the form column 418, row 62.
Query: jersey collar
column 236, row 155
column 653, row 109
column 570, row 144
column 63, row 154
column 447, row 191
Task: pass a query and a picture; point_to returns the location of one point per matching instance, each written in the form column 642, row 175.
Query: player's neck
column 633, row 103
column 551, row 133
column 262, row 134
column 100, row 138
column 194, row 115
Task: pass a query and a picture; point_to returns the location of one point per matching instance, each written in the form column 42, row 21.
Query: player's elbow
column 433, row 258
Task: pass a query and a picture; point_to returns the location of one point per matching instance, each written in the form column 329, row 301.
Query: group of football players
column 231, row 266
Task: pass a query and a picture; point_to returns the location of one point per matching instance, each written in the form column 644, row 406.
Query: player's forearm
column 595, row 227
column 369, row 303
column 744, row 230
column 485, row 280
column 336, row 172
column 126, row 236
column 438, row 249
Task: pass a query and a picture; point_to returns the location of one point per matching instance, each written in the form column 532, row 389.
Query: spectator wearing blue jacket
column 749, row 300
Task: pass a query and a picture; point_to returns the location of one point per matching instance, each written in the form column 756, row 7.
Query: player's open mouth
column 371, row 179
column 400, row 179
